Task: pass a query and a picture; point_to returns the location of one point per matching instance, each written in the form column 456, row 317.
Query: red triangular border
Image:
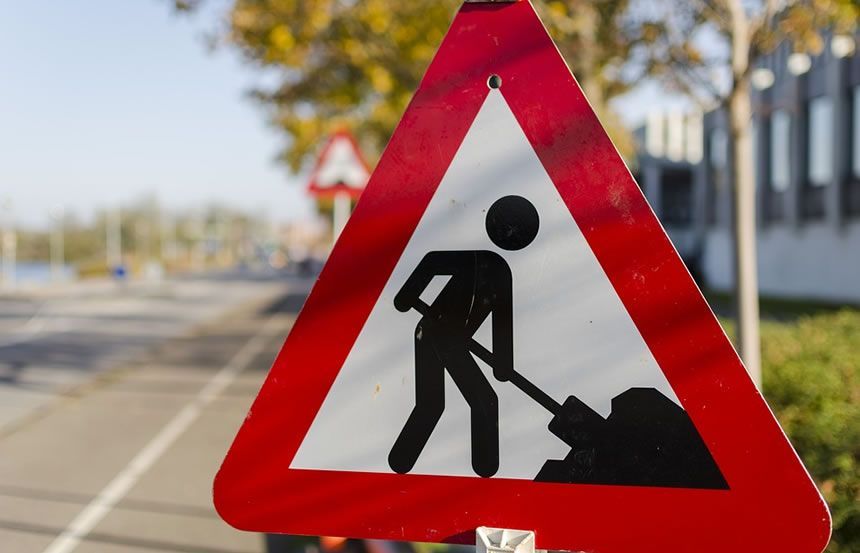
column 772, row 505
column 317, row 191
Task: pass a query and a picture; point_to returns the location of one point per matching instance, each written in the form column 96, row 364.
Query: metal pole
column 143, row 251
column 198, row 252
column 57, row 244
column 221, row 231
column 342, row 207
column 9, row 242
column 113, row 230
column 168, row 238
column 56, row 254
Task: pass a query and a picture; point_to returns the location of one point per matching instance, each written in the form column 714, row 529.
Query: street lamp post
column 58, row 243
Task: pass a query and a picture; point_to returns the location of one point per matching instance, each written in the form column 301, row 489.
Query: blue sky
column 104, row 101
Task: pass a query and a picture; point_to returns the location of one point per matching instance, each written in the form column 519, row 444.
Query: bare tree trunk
column 746, row 270
column 745, row 256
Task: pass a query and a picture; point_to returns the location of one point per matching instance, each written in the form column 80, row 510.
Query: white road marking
column 28, row 331
column 107, row 499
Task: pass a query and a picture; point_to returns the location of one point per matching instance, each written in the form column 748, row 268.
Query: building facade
column 806, row 140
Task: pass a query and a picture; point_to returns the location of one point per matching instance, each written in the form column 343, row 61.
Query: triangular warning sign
column 504, row 336
column 340, row 168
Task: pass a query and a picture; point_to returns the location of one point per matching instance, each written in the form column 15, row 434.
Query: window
column 819, row 158
column 852, row 191
column 820, row 141
column 780, row 135
column 718, row 155
column 676, row 198
column 694, row 143
column 717, row 161
column 655, row 135
column 675, row 136
column 855, row 135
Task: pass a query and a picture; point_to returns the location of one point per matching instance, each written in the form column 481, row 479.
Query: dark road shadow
column 290, row 303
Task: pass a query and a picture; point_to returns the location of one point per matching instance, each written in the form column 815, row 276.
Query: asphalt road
column 54, row 339
column 120, row 458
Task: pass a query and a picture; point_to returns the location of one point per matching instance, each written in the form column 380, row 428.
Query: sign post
column 342, row 208
column 499, row 540
column 504, row 336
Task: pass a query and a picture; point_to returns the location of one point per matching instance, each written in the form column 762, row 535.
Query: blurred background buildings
column 806, row 150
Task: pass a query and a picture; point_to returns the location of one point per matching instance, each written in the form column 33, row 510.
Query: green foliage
column 346, row 64
column 81, row 243
column 811, row 371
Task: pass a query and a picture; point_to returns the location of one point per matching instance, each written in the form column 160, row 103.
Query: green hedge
column 811, row 372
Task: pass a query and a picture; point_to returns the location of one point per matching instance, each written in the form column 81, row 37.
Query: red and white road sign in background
column 594, row 400
column 341, row 173
column 340, row 169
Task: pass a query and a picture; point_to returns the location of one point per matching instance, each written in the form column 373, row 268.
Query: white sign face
column 571, row 333
column 341, row 165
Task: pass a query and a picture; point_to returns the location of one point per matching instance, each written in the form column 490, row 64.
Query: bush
column 811, row 371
